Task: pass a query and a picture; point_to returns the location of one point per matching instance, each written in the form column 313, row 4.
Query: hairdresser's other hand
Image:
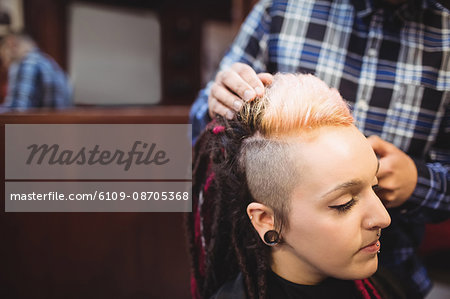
column 397, row 175
column 233, row 86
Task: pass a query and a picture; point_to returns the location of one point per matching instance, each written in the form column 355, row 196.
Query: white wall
column 114, row 55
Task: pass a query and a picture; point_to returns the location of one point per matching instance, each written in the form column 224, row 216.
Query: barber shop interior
column 167, row 149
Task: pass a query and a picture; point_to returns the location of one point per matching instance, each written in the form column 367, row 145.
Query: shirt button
column 363, row 105
column 372, row 52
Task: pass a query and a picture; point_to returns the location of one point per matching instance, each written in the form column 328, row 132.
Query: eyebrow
column 350, row 184
column 344, row 186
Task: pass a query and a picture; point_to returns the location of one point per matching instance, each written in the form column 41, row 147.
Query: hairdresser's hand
column 233, row 86
column 397, row 175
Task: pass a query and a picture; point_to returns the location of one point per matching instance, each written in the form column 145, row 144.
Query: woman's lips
column 373, row 247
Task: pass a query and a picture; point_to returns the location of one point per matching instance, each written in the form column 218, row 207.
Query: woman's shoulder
column 233, row 289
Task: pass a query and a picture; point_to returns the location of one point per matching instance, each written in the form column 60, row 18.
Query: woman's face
column 334, row 213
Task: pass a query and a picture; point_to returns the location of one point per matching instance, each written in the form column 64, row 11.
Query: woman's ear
column 261, row 217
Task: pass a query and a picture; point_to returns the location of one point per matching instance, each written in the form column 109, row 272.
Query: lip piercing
column 378, row 233
column 378, row 251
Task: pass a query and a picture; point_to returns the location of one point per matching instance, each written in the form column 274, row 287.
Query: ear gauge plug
column 271, row 238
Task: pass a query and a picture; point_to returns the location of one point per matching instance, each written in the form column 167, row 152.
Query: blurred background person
column 34, row 78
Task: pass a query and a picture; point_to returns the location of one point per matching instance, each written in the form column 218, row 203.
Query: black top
column 279, row 287
column 386, row 285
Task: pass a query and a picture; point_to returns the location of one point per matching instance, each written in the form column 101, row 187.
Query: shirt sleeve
column 430, row 201
column 249, row 47
column 22, row 86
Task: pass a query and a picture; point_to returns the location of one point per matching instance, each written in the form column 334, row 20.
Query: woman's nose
column 376, row 214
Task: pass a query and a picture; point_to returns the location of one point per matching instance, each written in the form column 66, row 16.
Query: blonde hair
column 293, row 105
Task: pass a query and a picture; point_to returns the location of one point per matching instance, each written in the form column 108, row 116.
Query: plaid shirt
column 37, row 81
column 392, row 66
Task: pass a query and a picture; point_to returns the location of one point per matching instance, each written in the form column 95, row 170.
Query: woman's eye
column 345, row 207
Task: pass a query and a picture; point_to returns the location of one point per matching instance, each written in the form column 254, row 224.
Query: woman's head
column 291, row 112
column 311, row 172
column 292, row 162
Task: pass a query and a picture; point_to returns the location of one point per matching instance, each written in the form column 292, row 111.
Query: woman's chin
column 359, row 271
column 368, row 269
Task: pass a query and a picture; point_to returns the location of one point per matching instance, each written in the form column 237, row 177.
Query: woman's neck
column 294, row 269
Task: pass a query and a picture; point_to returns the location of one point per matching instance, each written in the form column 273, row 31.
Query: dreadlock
column 232, row 245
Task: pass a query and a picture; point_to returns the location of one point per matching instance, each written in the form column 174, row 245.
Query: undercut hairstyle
column 291, row 107
column 252, row 159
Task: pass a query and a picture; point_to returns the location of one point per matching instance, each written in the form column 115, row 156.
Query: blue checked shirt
column 37, row 81
column 393, row 67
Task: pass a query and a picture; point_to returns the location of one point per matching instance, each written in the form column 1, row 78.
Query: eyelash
column 346, row 206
